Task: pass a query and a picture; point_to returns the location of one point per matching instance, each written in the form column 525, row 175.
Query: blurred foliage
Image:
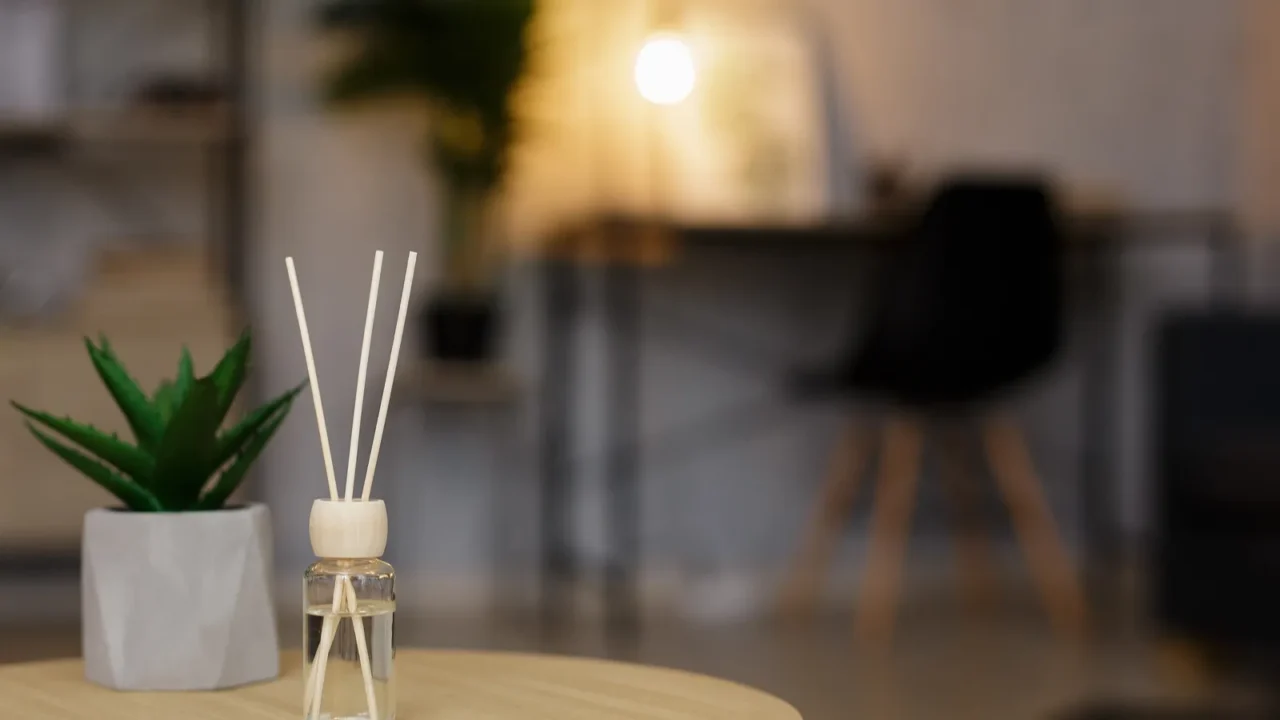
column 464, row 57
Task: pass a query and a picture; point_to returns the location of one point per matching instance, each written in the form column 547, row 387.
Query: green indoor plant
column 465, row 60
column 175, row 568
column 179, row 446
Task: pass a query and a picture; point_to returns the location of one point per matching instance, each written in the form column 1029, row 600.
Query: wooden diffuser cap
column 348, row 530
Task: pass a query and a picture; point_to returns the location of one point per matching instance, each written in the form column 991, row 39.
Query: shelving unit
column 221, row 130
column 160, row 296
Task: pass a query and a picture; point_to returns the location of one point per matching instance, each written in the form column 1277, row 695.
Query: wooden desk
column 625, row 248
column 431, row 685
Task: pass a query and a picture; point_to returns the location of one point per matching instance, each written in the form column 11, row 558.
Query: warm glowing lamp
column 665, row 71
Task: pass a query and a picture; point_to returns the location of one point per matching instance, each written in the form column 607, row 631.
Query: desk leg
column 623, row 305
column 555, row 484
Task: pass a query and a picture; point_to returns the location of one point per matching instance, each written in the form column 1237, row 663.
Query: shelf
column 466, row 384
column 142, row 125
column 24, row 134
column 134, row 126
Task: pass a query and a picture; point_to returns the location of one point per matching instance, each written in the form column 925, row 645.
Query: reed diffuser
column 348, row 666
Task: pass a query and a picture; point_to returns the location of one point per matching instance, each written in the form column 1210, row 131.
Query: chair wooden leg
column 890, row 528
column 828, row 524
column 1050, row 564
column 973, row 551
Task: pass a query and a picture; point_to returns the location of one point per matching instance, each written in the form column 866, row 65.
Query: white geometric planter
column 178, row 601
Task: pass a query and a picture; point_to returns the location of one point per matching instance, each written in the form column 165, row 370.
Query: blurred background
column 748, row 334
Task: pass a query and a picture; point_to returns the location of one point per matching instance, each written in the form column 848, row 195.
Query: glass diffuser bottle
column 350, row 601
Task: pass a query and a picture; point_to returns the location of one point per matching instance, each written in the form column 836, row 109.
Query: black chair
column 970, row 308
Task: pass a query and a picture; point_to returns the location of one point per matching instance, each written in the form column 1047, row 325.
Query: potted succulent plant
column 175, row 583
column 465, row 59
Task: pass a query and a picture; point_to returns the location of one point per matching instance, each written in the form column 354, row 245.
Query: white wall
column 1133, row 96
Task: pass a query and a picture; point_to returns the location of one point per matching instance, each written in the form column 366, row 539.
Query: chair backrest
column 974, row 298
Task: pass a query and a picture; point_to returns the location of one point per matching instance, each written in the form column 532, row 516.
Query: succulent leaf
column 131, row 461
column 230, row 441
column 133, row 495
column 231, row 478
column 228, row 375
column 142, row 417
column 179, row 449
column 185, row 454
column 186, row 376
column 163, row 401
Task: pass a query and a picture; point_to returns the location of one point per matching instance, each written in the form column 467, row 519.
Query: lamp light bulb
column 665, row 71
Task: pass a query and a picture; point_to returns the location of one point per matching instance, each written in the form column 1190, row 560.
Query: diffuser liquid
column 343, row 694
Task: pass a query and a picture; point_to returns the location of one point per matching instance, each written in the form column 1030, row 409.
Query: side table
column 430, row 685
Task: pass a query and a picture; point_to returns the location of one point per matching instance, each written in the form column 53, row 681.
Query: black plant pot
column 461, row 328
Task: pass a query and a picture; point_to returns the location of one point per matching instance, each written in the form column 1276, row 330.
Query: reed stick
column 354, row 453
column 315, row 381
column 315, row 682
column 328, row 629
column 390, row 380
column 362, row 648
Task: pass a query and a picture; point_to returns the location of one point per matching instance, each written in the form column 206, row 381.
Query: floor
column 946, row 664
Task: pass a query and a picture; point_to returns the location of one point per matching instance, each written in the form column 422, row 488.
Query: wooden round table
column 431, row 685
